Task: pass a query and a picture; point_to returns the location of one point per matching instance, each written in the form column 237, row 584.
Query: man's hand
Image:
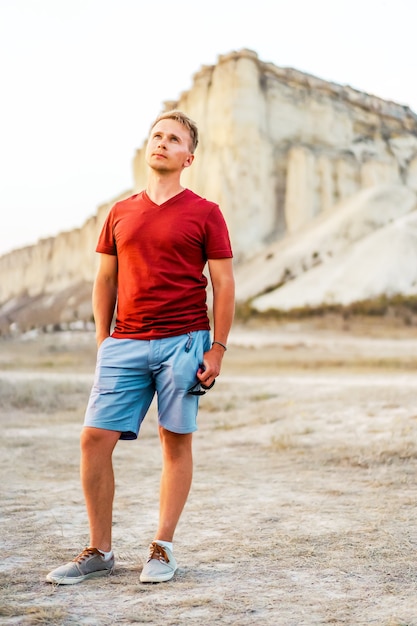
column 100, row 338
column 211, row 365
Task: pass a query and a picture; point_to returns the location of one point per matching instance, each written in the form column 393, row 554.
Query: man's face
column 168, row 147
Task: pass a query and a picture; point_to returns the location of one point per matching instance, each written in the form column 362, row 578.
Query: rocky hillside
column 317, row 181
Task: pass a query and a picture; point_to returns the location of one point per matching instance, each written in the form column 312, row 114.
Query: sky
column 82, row 80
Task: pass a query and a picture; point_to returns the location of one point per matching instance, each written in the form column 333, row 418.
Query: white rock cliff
column 307, row 173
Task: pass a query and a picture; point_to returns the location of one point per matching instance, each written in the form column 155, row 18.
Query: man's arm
column 222, row 280
column 105, row 295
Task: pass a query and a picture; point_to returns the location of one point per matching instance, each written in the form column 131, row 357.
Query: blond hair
column 183, row 119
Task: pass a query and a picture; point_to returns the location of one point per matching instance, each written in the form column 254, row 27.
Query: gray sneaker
column 160, row 566
column 89, row 564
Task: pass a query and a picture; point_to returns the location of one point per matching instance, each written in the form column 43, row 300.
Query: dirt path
column 303, row 506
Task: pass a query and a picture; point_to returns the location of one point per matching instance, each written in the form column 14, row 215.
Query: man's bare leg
column 97, row 480
column 177, row 471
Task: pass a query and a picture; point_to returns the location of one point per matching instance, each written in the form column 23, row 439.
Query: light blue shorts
column 130, row 371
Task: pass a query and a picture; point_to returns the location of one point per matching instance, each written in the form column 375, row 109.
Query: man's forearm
column 104, row 302
column 223, row 312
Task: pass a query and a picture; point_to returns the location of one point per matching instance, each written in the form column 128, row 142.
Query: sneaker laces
column 158, row 552
column 87, row 553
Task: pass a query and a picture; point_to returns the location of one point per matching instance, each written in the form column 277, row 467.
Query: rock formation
column 360, row 250
column 305, row 172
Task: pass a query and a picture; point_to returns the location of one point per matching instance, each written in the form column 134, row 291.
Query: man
column 154, row 247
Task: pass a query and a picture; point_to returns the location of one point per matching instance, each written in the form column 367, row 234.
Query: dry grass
column 42, row 395
column 302, row 511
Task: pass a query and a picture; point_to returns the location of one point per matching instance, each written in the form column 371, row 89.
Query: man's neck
column 160, row 188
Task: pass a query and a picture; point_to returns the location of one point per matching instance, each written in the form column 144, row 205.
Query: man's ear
column 188, row 160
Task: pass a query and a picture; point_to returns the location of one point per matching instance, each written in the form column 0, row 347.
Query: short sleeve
column 217, row 244
column 106, row 242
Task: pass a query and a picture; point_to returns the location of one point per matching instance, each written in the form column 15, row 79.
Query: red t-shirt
column 161, row 252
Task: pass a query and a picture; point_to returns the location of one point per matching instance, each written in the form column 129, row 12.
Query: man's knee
column 98, row 438
column 175, row 444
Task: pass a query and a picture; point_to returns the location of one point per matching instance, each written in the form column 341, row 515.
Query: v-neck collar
column 172, row 199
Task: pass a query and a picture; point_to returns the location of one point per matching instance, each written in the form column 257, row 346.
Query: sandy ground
column 303, row 506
